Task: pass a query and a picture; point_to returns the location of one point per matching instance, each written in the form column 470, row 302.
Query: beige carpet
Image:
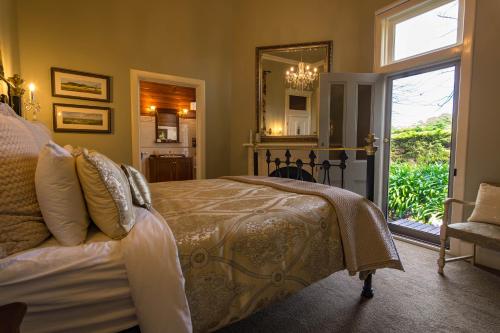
column 466, row 299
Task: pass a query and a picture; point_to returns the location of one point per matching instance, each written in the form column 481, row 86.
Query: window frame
column 388, row 17
column 462, row 52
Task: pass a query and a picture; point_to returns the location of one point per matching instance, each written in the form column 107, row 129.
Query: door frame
column 138, row 75
column 388, row 118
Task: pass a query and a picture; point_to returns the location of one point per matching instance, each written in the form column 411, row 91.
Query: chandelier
column 303, row 78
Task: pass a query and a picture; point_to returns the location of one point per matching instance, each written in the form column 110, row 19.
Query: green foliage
column 418, row 179
column 417, row 192
column 424, row 143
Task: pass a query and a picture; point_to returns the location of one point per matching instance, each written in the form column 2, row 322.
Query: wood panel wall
column 166, row 96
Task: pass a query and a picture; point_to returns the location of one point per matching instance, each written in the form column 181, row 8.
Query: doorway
column 136, row 77
column 419, row 162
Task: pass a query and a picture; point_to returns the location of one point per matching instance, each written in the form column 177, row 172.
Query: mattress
column 78, row 289
column 244, row 246
column 103, row 285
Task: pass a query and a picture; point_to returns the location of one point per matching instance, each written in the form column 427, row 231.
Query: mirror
column 288, row 90
column 167, row 126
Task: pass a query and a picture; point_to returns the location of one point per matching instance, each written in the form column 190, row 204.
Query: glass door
column 419, row 155
column 351, row 107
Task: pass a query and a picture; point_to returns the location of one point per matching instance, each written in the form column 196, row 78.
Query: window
column 419, row 27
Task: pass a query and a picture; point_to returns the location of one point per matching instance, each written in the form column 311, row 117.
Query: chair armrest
column 447, row 206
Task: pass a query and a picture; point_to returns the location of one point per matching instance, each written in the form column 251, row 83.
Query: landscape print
column 80, row 85
column 69, row 84
column 81, row 118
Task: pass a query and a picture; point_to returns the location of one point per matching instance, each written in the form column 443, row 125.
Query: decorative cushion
column 60, row 195
column 107, row 193
column 21, row 223
column 487, row 207
column 483, row 234
column 141, row 195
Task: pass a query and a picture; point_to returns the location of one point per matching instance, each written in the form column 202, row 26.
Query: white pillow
column 60, row 195
column 487, row 207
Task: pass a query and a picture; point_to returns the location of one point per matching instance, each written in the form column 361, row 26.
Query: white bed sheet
column 103, row 285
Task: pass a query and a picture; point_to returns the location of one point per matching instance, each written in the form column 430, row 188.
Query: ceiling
column 166, row 96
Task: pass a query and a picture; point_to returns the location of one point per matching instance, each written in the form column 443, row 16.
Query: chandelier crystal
column 303, row 78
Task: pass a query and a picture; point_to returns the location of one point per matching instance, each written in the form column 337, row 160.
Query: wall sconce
column 152, row 109
column 183, row 112
column 31, row 104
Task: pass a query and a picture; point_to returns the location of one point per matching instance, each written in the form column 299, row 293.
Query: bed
column 103, row 285
column 246, row 242
column 209, row 253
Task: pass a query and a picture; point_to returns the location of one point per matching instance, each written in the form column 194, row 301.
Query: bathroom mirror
column 167, row 126
column 287, row 90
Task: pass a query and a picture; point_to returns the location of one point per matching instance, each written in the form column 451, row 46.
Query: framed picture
column 81, row 118
column 80, row 85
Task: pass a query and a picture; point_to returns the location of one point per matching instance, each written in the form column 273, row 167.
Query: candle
column 32, row 92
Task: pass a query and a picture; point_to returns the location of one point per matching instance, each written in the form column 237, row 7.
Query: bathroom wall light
column 152, row 109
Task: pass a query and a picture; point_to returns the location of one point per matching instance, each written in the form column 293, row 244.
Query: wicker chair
column 486, row 235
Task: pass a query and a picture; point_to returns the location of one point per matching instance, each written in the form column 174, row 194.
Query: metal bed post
column 370, row 149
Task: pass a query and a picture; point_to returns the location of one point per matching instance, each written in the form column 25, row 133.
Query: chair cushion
column 487, row 207
column 483, row 234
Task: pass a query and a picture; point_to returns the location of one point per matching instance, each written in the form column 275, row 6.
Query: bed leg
column 367, row 287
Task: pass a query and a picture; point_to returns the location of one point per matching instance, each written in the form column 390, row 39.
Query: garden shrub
column 417, row 191
column 418, row 178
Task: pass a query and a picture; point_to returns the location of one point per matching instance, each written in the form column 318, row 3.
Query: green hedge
column 423, row 143
column 417, row 192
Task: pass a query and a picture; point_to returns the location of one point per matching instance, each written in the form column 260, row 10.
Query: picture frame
column 69, row 83
column 81, row 118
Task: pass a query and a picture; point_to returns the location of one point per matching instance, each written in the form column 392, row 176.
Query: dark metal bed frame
column 294, row 169
column 15, row 91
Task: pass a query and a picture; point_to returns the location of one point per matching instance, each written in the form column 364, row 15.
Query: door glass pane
column 428, row 31
column 337, row 93
column 421, row 142
column 364, row 116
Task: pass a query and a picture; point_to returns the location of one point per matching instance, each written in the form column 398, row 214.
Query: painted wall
column 177, row 37
column 348, row 23
column 483, row 158
column 9, row 48
column 186, row 38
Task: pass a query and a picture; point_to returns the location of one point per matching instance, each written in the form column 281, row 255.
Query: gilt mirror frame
column 258, row 86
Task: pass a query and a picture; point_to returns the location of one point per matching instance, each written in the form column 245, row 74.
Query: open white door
column 351, row 106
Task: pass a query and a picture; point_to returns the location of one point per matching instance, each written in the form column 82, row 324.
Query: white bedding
column 103, row 285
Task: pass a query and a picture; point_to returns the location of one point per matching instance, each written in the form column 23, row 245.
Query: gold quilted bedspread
column 244, row 246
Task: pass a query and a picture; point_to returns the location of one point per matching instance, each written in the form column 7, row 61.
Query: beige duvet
column 243, row 246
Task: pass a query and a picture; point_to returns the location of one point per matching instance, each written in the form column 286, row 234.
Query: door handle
column 386, row 140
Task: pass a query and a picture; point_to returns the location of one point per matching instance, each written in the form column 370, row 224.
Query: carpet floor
column 466, row 299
